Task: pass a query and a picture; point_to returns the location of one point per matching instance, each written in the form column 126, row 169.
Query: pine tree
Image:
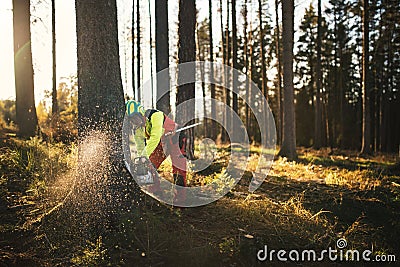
column 24, row 88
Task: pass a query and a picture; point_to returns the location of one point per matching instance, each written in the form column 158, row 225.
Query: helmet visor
column 137, row 120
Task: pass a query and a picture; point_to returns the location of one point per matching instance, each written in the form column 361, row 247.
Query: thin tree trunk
column 251, row 67
column 212, row 82
column 278, row 54
column 151, row 57
column 223, row 74
column 234, row 58
column 200, row 57
column 133, row 50
column 288, row 148
column 24, row 86
column 341, row 95
column 318, row 113
column 54, row 109
column 228, row 119
column 138, row 57
column 262, row 52
column 246, row 62
column 263, row 67
column 162, row 56
column 366, row 130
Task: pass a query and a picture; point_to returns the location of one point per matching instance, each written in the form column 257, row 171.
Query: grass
column 307, row 204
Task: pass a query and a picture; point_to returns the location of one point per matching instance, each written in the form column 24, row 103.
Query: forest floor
column 308, row 204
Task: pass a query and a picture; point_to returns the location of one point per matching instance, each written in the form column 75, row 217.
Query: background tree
column 138, row 56
column 262, row 51
column 133, row 50
column 288, row 148
column 202, row 51
column 24, row 88
column 235, row 64
column 162, row 54
column 343, row 72
column 151, row 55
column 306, row 73
column 317, row 108
column 279, row 72
column 54, row 109
column 226, row 59
column 186, row 53
column 213, row 130
column 366, row 120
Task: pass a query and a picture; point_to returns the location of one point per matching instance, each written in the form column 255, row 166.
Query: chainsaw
column 142, row 171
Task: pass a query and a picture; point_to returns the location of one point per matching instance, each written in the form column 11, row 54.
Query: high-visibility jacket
column 147, row 138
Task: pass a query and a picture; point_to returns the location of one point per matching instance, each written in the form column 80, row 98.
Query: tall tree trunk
column 151, row 56
column 262, row 52
column 213, row 132
column 187, row 53
column 223, row 74
column 318, row 112
column 54, row 109
column 201, row 57
column 366, row 120
column 133, row 50
column 263, row 67
column 162, row 56
column 288, row 148
column 138, row 56
column 100, row 108
column 24, row 87
column 341, row 95
column 99, row 80
column 234, row 58
column 228, row 119
column 251, row 67
column 278, row 55
column 246, row 62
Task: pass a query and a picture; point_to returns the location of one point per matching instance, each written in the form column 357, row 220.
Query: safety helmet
column 135, row 112
column 133, row 107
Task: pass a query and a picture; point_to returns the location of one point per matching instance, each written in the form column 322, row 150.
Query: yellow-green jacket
column 148, row 137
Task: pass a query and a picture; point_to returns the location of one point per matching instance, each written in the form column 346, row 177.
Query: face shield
column 137, row 120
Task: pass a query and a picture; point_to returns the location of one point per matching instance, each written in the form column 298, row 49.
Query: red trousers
column 167, row 148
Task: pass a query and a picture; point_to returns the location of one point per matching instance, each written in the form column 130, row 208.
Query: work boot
column 180, row 195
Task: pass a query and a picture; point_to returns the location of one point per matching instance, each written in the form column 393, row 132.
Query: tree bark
column 366, row 120
column 234, row 58
column 54, row 109
column 246, row 63
column 288, row 148
column 318, row 113
column 151, row 57
column 262, row 52
column 133, row 50
column 213, row 132
column 187, row 53
column 227, row 57
column 24, row 86
column 162, row 55
column 278, row 55
column 138, row 56
column 100, row 104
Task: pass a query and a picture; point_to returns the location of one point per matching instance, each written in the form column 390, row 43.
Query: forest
column 295, row 149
